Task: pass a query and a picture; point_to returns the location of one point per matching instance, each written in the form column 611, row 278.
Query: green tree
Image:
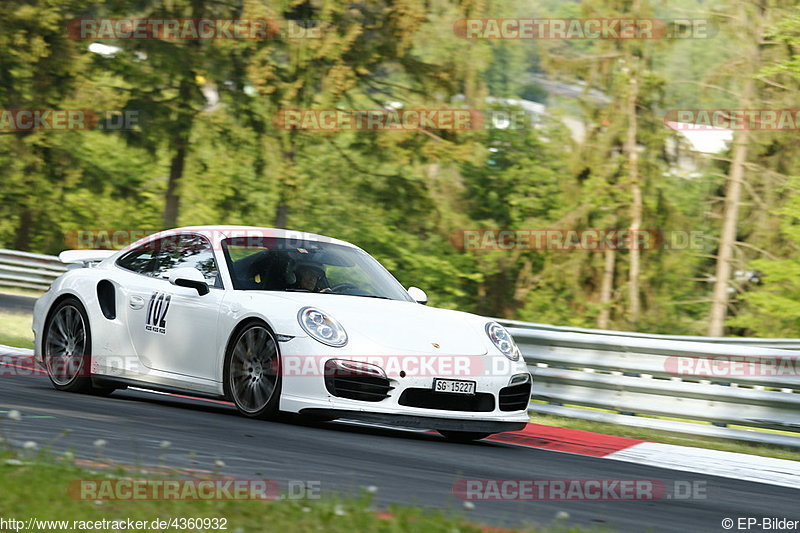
column 39, row 68
column 771, row 307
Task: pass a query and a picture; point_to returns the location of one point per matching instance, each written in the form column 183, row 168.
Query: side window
column 188, row 250
column 141, row 260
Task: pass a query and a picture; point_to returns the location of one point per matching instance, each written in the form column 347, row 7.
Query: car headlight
column 322, row 327
column 503, row 340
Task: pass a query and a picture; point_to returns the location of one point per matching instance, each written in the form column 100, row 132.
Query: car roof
column 217, row 233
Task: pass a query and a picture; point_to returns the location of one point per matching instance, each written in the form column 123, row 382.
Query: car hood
column 401, row 326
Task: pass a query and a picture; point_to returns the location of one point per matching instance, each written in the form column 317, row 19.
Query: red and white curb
column 565, row 440
column 713, row 462
column 744, row 466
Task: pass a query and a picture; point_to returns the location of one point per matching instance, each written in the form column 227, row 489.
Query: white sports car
column 277, row 321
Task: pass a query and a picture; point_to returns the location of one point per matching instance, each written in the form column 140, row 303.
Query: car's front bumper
column 305, row 390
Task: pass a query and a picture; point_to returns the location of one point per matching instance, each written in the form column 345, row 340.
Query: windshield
column 292, row 265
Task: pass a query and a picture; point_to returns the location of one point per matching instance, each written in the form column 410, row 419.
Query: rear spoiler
column 86, row 257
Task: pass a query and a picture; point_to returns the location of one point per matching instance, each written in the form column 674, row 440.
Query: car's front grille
column 428, row 399
column 515, row 397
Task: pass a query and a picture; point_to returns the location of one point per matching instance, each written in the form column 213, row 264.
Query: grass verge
column 35, row 486
column 668, row 437
column 15, row 330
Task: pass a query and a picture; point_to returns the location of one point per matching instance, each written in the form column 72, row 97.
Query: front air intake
column 356, row 381
column 515, row 397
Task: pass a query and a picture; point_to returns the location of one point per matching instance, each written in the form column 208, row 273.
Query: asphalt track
column 412, row 468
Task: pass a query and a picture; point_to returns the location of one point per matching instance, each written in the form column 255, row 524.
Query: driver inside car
column 311, row 278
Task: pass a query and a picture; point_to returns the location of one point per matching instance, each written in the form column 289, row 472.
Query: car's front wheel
column 67, row 348
column 252, row 372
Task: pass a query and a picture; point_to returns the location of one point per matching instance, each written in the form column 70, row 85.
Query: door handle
column 136, row 302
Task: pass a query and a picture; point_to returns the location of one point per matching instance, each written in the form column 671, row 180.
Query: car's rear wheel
column 67, row 348
column 252, row 372
column 463, row 436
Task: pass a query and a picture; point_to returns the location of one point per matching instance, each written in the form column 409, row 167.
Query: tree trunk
column 180, row 146
column 524, row 283
column 281, row 215
column 286, row 185
column 727, row 241
column 22, row 240
column 606, row 288
column 631, row 147
column 736, row 174
column 172, row 205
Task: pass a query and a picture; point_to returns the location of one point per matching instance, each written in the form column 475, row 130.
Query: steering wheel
column 337, row 288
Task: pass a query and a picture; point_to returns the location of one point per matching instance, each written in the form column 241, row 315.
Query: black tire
column 252, row 371
column 67, row 348
column 462, row 436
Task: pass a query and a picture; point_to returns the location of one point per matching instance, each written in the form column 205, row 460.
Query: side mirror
column 189, row 277
column 418, row 294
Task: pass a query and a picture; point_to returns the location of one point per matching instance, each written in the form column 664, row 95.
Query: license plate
column 454, row 386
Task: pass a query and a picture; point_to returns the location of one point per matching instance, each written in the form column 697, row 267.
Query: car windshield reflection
column 289, row 265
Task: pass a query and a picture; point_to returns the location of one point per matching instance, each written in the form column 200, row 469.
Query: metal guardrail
column 787, row 344
column 24, row 270
column 666, row 382
column 615, row 376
